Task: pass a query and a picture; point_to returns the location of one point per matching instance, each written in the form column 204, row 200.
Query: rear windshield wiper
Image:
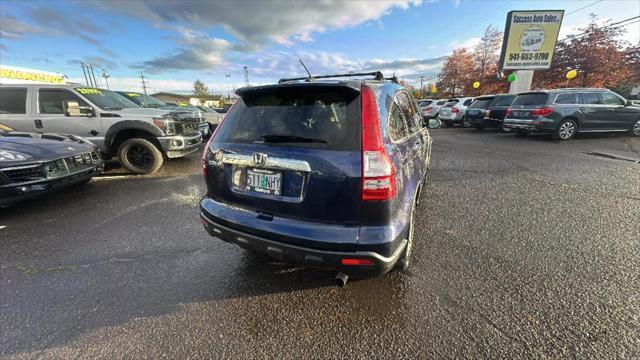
column 273, row 138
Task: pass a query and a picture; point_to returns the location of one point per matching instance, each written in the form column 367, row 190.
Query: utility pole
column 245, row 70
column 421, row 92
column 93, row 75
column 84, row 71
column 106, row 77
column 144, row 83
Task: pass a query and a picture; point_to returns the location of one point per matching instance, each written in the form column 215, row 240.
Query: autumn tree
column 599, row 56
column 487, row 53
column 457, row 73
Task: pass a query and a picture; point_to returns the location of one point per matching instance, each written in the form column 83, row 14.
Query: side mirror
column 72, row 108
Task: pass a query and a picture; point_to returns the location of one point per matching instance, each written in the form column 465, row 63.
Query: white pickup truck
column 140, row 138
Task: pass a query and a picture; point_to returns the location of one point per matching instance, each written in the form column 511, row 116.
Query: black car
column 490, row 111
column 565, row 112
column 33, row 164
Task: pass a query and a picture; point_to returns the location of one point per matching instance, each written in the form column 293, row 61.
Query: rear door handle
column 37, row 123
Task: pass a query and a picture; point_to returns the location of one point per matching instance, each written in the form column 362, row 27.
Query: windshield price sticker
column 133, row 94
column 87, row 91
column 530, row 39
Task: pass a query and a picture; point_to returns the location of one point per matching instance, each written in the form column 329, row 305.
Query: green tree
column 200, row 89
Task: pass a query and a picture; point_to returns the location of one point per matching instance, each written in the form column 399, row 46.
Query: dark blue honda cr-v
column 325, row 173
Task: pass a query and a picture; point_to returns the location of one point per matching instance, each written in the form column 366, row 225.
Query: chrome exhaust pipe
column 341, row 279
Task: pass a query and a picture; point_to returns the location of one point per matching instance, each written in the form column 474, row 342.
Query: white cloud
column 259, row 22
column 466, row 44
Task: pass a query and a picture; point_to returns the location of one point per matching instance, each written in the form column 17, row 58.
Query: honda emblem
column 259, row 159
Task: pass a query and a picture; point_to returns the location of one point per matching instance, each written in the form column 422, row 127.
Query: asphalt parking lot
column 526, row 248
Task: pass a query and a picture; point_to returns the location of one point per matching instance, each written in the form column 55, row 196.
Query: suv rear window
column 503, row 100
column 13, row 101
column 531, row 99
column 451, row 103
column 568, row 98
column 327, row 117
column 481, row 103
column 425, row 103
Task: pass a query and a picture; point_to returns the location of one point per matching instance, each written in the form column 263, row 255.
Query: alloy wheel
column 636, row 128
column 567, row 129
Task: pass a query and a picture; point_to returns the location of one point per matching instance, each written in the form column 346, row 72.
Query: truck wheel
column 566, row 130
column 140, row 156
column 405, row 259
column 465, row 122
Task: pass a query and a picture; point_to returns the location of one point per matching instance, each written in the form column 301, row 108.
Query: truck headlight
column 166, row 124
column 9, row 155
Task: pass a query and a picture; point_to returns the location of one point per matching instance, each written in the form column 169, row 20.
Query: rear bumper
column 529, row 125
column 486, row 122
column 316, row 252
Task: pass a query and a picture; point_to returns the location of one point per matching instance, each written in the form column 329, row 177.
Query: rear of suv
column 565, row 112
column 323, row 173
column 490, row 111
column 455, row 111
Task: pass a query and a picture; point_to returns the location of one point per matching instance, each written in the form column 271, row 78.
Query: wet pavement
column 525, row 248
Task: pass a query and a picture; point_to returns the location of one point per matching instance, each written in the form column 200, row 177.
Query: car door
column 14, row 108
column 593, row 112
column 414, row 144
column 618, row 115
column 50, row 115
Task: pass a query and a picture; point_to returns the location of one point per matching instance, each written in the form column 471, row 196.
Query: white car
column 432, row 109
column 455, row 111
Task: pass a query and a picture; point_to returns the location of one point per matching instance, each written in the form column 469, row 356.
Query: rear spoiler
column 377, row 75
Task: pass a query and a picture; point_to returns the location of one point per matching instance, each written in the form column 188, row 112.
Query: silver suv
column 140, row 138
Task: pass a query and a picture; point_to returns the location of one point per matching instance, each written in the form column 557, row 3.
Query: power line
column 582, row 8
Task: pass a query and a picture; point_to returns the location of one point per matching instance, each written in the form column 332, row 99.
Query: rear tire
column 140, row 156
column 405, row 260
column 504, row 129
column 465, row 122
column 635, row 130
column 566, row 130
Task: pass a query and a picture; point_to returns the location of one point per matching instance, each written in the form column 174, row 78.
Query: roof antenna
column 306, row 69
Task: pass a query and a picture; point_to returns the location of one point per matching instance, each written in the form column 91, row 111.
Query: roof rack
column 377, row 75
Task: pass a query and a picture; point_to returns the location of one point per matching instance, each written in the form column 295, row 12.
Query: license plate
column 264, row 181
column 521, row 113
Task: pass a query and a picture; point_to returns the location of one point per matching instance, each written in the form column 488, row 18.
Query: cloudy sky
column 175, row 42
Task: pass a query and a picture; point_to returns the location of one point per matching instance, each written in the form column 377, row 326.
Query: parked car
column 149, row 102
column 489, row 111
column 140, row 138
column 34, row 164
column 213, row 117
column 325, row 173
column 432, row 110
column 565, row 112
column 454, row 111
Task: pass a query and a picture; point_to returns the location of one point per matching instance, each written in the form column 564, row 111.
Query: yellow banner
column 30, row 76
column 530, row 39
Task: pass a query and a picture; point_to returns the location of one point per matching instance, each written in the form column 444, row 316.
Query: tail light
column 205, row 153
column 509, row 112
column 455, row 110
column 378, row 173
column 428, row 108
column 349, row 261
column 542, row 111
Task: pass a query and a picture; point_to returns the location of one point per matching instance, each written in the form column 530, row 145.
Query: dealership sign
column 19, row 75
column 529, row 39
